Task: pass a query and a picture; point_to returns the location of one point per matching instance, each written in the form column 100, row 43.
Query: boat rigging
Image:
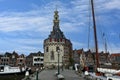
column 95, row 36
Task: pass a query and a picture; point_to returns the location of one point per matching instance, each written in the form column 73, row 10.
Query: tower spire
column 56, row 18
column 56, row 7
column 56, row 33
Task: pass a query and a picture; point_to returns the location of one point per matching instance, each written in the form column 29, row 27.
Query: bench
column 56, row 73
column 60, row 77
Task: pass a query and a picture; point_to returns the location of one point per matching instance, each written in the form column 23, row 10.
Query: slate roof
column 56, row 33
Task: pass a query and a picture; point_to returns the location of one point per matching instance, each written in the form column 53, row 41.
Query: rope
column 89, row 24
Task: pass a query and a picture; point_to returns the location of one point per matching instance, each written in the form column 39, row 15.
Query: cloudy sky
column 24, row 24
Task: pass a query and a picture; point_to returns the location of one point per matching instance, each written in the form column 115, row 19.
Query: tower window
column 56, row 18
column 52, row 55
column 47, row 49
column 57, row 48
column 57, row 40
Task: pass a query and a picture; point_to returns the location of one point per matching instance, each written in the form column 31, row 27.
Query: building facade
column 115, row 60
column 57, row 46
column 13, row 59
column 38, row 60
column 35, row 59
column 21, row 60
column 76, row 55
column 5, row 59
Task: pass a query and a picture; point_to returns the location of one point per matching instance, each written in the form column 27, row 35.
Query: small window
column 57, row 40
column 35, row 59
column 41, row 59
column 57, row 48
column 20, row 60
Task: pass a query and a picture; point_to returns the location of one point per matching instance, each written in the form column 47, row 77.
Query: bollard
column 27, row 75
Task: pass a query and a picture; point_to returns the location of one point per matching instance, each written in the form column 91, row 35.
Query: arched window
column 52, row 55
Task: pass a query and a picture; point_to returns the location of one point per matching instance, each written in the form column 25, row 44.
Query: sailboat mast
column 95, row 35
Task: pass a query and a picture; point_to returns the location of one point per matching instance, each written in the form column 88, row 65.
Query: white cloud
column 113, row 4
column 40, row 20
column 73, row 18
column 22, row 45
column 16, row 23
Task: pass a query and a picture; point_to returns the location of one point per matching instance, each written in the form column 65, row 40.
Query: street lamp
column 62, row 62
column 36, row 74
column 58, row 50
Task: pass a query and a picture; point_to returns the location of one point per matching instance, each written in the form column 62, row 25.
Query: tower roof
column 56, row 32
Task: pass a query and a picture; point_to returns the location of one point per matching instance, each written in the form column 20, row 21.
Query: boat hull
column 11, row 73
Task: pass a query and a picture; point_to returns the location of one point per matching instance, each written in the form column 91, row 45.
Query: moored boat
column 109, row 74
column 6, row 69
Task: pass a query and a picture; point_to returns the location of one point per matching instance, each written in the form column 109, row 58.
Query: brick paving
column 50, row 75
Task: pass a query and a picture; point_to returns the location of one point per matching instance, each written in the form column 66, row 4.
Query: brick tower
column 56, row 40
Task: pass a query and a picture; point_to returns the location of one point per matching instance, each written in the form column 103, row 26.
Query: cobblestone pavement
column 50, row 75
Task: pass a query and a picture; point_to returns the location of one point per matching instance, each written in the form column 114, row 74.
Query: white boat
column 109, row 77
column 5, row 69
column 110, row 71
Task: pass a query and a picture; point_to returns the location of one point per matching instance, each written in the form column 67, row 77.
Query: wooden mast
column 95, row 35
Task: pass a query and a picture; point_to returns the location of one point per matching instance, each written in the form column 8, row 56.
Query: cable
column 89, row 16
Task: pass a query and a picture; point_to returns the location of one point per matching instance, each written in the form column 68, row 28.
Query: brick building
column 21, row 60
column 115, row 60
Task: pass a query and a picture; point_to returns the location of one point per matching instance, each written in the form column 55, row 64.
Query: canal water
column 12, row 77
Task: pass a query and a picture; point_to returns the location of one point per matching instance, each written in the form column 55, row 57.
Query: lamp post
column 58, row 50
column 62, row 63
column 36, row 74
